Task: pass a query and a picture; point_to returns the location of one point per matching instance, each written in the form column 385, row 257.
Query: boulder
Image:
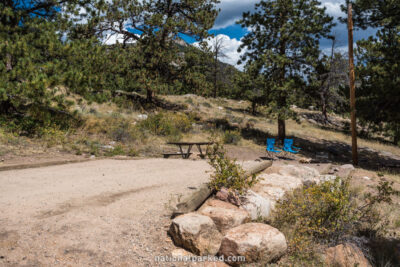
column 274, row 186
column 345, row 171
column 306, row 174
column 196, row 233
column 224, row 214
column 257, row 242
column 345, row 255
column 256, row 205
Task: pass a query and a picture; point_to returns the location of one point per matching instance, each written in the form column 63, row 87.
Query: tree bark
column 253, row 107
column 324, row 110
column 281, row 129
column 149, row 95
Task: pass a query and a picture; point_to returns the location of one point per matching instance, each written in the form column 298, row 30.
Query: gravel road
column 97, row 213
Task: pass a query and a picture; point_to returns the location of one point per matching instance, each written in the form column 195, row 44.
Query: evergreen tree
column 154, row 26
column 30, row 64
column 252, row 86
column 284, row 38
column 378, row 68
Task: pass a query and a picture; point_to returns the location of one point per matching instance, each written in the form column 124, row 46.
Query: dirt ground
column 98, row 213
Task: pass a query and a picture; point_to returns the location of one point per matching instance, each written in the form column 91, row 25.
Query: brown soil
column 97, row 213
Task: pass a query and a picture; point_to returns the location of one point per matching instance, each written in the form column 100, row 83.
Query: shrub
column 232, row 137
column 326, row 214
column 167, row 124
column 118, row 150
column 227, row 172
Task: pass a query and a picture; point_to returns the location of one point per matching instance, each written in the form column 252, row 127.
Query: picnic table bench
column 186, row 154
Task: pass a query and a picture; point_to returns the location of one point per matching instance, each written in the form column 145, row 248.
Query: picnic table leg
column 180, row 148
column 188, row 151
column 201, row 152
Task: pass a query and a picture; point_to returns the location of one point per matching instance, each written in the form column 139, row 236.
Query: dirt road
column 98, row 213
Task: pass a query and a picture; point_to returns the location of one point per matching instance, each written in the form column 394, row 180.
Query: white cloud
column 230, row 47
column 333, row 7
column 113, row 38
column 232, row 10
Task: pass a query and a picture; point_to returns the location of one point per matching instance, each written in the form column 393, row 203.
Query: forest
column 51, row 50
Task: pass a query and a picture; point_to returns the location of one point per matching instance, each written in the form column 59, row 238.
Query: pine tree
column 284, row 38
column 30, row 49
column 154, row 26
column 378, row 68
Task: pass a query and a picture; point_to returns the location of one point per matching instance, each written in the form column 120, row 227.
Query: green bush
column 227, row 172
column 167, row 124
column 232, row 137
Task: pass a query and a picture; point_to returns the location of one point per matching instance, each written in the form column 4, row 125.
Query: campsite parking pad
column 104, row 212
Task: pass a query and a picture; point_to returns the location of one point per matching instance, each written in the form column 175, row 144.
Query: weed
column 326, row 214
column 189, row 100
column 227, row 172
column 133, row 152
column 232, row 137
column 167, row 124
column 118, row 150
column 206, row 104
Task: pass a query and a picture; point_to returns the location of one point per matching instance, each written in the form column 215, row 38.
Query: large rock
column 345, row 255
column 345, row 171
column 257, row 242
column 256, row 205
column 224, row 214
column 306, row 174
column 196, row 233
column 274, row 186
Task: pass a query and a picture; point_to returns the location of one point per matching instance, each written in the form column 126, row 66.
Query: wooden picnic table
column 186, row 155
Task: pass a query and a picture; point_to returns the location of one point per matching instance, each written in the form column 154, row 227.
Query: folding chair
column 288, row 146
column 271, row 148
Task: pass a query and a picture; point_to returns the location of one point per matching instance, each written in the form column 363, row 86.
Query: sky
column 232, row 10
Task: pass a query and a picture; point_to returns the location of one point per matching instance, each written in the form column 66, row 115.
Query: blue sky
column 232, row 10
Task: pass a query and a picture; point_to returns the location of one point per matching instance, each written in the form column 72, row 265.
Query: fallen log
column 197, row 198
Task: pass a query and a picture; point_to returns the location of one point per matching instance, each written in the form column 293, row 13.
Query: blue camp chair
column 288, row 146
column 271, row 147
column 290, row 141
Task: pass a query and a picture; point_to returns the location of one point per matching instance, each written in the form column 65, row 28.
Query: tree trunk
column 253, row 107
column 396, row 138
column 324, row 111
column 215, row 77
column 149, row 98
column 281, row 130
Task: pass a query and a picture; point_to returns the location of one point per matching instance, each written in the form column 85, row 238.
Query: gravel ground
column 98, row 213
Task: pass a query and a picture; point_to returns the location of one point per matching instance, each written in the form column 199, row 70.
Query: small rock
column 143, row 116
column 327, row 177
column 196, row 233
column 345, row 255
column 256, row 205
column 222, row 194
column 257, row 242
column 180, row 253
column 366, row 178
column 224, row 214
column 220, row 108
